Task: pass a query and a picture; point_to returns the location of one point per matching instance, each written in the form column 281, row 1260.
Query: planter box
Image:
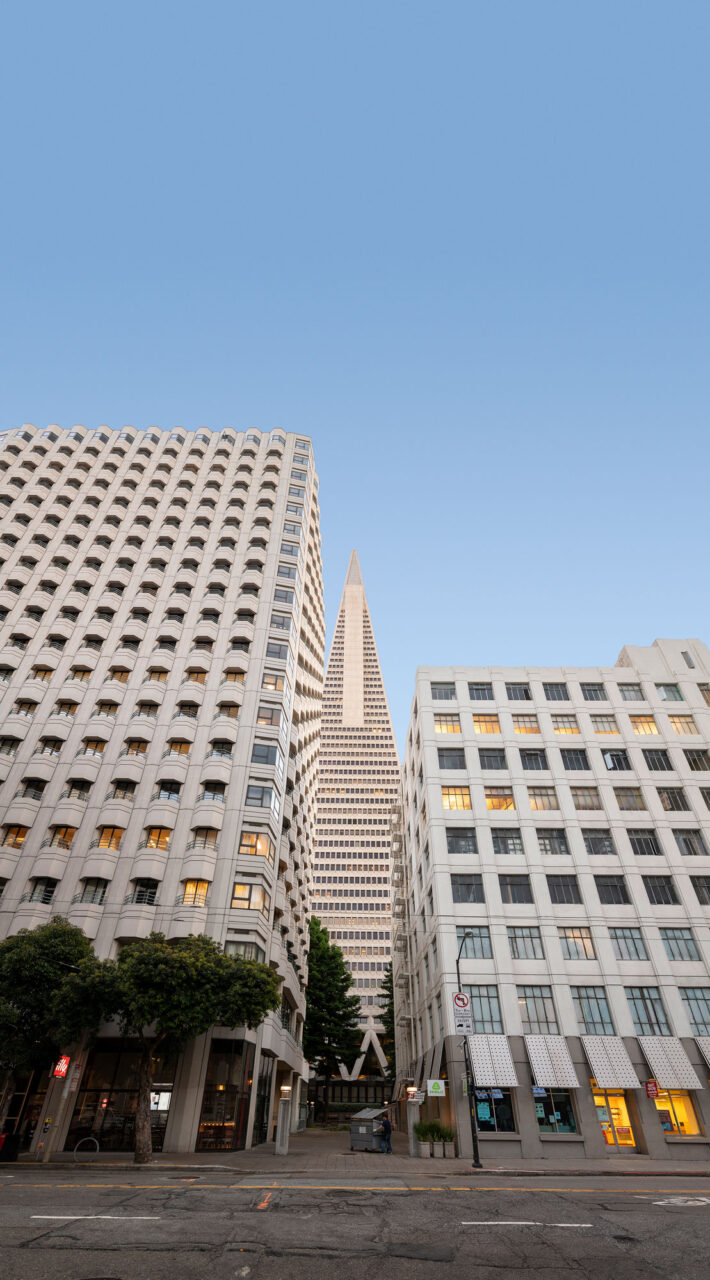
column 450, row 1150
column 438, row 1150
column 423, row 1150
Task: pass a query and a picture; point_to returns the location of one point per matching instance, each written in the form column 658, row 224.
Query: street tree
column 387, row 1039
column 330, row 1034
column 164, row 994
column 34, row 965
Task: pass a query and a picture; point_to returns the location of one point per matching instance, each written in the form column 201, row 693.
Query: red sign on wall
column 62, row 1066
column 651, row 1089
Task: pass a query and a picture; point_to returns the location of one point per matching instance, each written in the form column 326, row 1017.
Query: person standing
column 386, row 1135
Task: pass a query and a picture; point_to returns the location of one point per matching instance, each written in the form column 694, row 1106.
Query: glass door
column 613, row 1115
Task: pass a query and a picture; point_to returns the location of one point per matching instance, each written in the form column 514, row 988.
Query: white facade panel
column 670, row 1064
column 492, row 1062
column 551, row 1063
column 610, row 1063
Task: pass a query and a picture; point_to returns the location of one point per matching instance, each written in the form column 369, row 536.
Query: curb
column 497, row 1172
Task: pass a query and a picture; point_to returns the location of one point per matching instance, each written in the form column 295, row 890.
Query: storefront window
column 613, row 1115
column 106, row 1103
column 554, row 1111
column 494, row 1111
column 263, row 1099
column 225, row 1102
column 676, row 1113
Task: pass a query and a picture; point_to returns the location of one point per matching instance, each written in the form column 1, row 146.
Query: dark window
column 612, row 890
column 657, row 759
column 690, row 842
column 598, row 841
column 617, row 761
column 673, row 798
column 492, row 758
column 515, row 889
column 698, row 759
column 701, row 884
column 574, row 758
column 452, row 758
column 480, row 692
column 563, row 889
column 518, row 692
column 552, row 840
column 506, row 840
column 532, row 758
column 467, row 888
column 661, row 891
column 461, row 840
column 442, row 692
column 644, row 842
column 555, row 691
column 592, row 692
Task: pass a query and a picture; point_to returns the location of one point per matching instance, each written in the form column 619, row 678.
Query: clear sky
column 463, row 245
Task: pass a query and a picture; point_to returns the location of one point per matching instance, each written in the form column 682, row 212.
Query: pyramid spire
column 354, row 576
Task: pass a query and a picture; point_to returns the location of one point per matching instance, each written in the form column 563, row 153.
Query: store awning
column 492, row 1062
column 703, row 1043
column 670, row 1065
column 552, row 1066
column 610, row 1063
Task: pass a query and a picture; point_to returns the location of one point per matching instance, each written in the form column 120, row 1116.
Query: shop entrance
column 613, row 1116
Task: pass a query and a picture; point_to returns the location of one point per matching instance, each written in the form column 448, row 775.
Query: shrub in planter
column 448, row 1136
column 436, row 1133
column 421, row 1132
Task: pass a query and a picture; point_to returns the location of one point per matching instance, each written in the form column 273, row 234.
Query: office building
column 556, row 835
column 161, row 662
column 357, row 788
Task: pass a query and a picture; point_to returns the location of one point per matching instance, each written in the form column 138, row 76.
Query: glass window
column 525, row 724
column 669, row 693
column 698, row 759
column 565, row 724
column 476, row 940
column 576, row 942
column 598, row 841
column 467, row 888
column 682, row 724
column 537, row 1011
column 446, row 724
column 628, row 944
column 644, row 842
column 691, row 842
column 499, row 797
column 531, row 758
column 554, row 1111
column 696, row 1001
column 157, row 837
column 525, row 942
column 612, row 890
column 661, row 891
column 631, row 692
column 486, row 724
column 647, row 1011
column 485, row 1010
column 701, row 884
column 492, row 758
column 552, row 840
column 455, row 798
column 643, row 724
column 676, row 1112
column 506, row 840
column 555, row 691
column 574, row 758
column 604, row 724
column 109, row 837
column 543, row 798
column 257, row 843
column 195, row 893
column 673, row 799
column 679, row 944
column 515, row 888
column 705, row 691
column 518, row 691
column 251, row 897
column 564, row 890
column 629, row 798
column 586, row 798
column 451, row 758
column 479, row 692
column 461, row 840
column 494, row 1111
column 657, row 760
column 617, row 760
column 443, row 691
column 593, row 691
column 592, row 1011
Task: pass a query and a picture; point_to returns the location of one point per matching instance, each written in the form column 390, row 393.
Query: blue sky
column 463, row 245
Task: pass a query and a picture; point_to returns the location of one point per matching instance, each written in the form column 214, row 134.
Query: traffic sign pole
column 469, row 1070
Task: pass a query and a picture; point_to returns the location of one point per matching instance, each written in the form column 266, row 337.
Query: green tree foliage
column 330, row 1033
column 34, row 965
column 387, row 1018
column 165, row 994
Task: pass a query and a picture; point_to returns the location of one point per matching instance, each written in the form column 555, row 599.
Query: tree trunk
column 144, row 1141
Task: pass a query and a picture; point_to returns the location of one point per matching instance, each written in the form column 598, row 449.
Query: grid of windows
column 647, row 1011
column 679, row 944
column 525, row 942
column 485, row 1009
column 474, row 942
column 628, row 943
column 592, row 1009
column 537, row 1010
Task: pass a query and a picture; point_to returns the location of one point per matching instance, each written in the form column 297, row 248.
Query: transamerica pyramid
column 358, row 786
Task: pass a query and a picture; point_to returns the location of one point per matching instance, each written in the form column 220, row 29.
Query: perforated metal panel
column 611, row 1065
column 670, row 1064
column 703, row 1043
column 492, row 1062
column 551, row 1063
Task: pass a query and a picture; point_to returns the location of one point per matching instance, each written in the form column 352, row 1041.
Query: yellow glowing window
column 565, row 724
column 257, row 842
column 272, row 681
column 683, row 724
column 136, row 747
column 586, row 798
column 14, row 836
column 499, row 798
column 643, row 724
column 62, row 837
column 233, row 677
column 677, row 1113
column 446, row 724
column 486, row 724
column 110, row 837
column 604, row 724
column 157, row 837
column 525, row 724
column 455, row 798
column 543, row 798
column 195, row 892
column 251, row 897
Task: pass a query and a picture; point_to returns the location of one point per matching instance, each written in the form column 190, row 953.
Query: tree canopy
column 330, row 1034
column 387, row 1018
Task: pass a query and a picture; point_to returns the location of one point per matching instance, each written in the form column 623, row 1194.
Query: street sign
column 62, row 1066
column 417, row 1097
column 463, row 1019
column 651, row 1089
column 436, row 1088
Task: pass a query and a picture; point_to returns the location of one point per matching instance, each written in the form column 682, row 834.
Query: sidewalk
column 316, row 1153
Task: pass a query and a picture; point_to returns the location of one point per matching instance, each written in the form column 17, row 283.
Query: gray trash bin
column 362, row 1129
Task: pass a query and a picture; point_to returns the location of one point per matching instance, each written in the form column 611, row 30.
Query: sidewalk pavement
column 318, row 1153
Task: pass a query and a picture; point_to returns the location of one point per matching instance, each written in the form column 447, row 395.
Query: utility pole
column 470, row 1091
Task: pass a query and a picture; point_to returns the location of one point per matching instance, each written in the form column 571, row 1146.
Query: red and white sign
column 62, row 1067
column 461, row 1002
column 651, row 1089
column 463, row 1020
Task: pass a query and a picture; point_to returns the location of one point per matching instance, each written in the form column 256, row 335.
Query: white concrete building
column 556, row 833
column 161, row 664
column 357, row 788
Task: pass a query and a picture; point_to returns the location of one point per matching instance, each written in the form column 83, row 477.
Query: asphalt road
column 64, row 1224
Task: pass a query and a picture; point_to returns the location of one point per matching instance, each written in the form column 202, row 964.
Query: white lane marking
column 520, row 1222
column 115, row 1217
column 684, row 1200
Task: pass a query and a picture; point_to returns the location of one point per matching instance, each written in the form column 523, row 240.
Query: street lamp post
column 469, row 1070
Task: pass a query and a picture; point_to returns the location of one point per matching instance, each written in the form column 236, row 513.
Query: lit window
column 251, row 897
column 604, row 724
column 565, row 724
column 643, row 724
column 110, row 837
column 257, row 843
column 486, row 724
column 629, row 798
column 682, row 724
column 543, row 798
column 676, row 1112
column 576, row 942
column 525, row 724
column 455, row 798
column 499, row 798
column 446, row 724
column 157, row 837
